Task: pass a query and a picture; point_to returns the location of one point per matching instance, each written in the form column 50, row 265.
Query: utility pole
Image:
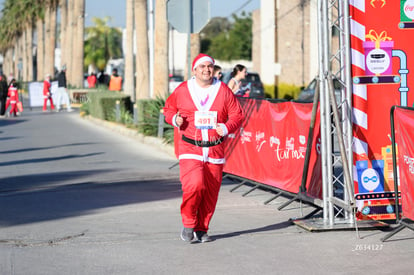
column 276, row 6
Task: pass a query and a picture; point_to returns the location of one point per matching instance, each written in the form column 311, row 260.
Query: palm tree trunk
column 63, row 6
column 6, row 61
column 142, row 54
column 50, row 38
column 47, row 59
column 18, row 58
column 69, row 42
column 161, row 49
column 9, row 64
column 40, row 54
column 29, row 49
column 78, row 51
column 53, row 24
column 129, row 55
column 195, row 45
column 24, row 54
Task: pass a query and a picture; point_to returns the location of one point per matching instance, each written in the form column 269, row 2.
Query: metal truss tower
column 336, row 115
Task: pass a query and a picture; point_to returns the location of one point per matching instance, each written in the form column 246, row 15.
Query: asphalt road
column 79, row 198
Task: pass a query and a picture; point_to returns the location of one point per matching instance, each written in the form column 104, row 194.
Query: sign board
column 188, row 16
column 382, row 70
column 36, row 93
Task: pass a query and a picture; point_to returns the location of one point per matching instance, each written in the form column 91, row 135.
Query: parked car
column 252, row 81
column 306, row 95
column 256, row 85
column 174, row 81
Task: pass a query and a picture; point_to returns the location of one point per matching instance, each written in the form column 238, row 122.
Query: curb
column 133, row 133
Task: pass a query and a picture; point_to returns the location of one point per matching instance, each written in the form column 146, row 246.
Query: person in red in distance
column 47, row 95
column 204, row 110
column 92, row 80
column 13, row 97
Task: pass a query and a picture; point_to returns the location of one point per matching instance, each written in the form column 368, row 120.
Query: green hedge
column 269, row 91
column 288, row 91
column 282, row 91
column 102, row 105
column 148, row 115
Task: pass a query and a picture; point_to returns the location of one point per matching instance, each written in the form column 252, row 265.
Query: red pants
column 45, row 103
column 201, row 183
column 13, row 108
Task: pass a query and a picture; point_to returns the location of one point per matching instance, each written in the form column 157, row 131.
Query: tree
column 194, row 51
column 10, row 35
column 50, row 36
column 102, row 43
column 16, row 36
column 215, row 27
column 161, row 49
column 40, row 49
column 142, row 54
column 64, row 26
column 67, row 48
column 129, row 55
column 18, row 57
column 78, row 46
column 236, row 43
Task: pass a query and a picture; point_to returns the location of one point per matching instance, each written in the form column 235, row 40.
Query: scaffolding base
column 404, row 223
column 318, row 225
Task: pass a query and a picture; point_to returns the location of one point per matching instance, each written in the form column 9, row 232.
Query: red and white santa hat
column 202, row 58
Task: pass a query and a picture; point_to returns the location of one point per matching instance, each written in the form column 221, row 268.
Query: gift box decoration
column 378, row 53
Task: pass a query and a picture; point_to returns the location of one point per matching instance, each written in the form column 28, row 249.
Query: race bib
column 205, row 120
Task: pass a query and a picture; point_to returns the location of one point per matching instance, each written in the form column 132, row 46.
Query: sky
column 116, row 9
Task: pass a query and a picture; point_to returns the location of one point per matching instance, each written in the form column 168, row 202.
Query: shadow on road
column 44, row 148
column 37, row 160
column 271, row 227
column 26, row 183
column 11, row 121
column 50, row 202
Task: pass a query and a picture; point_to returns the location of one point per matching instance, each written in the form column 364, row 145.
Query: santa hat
column 202, row 58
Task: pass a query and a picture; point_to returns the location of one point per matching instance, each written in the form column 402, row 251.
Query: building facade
column 285, row 48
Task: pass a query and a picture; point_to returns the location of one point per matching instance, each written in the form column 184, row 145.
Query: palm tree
column 28, row 53
column 16, row 34
column 50, row 36
column 78, row 39
column 10, row 35
column 142, row 53
column 29, row 9
column 68, row 46
column 129, row 55
column 161, row 49
column 40, row 52
column 18, row 57
column 64, row 26
column 5, row 39
column 195, row 45
column 21, row 7
column 102, row 43
column 8, row 64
